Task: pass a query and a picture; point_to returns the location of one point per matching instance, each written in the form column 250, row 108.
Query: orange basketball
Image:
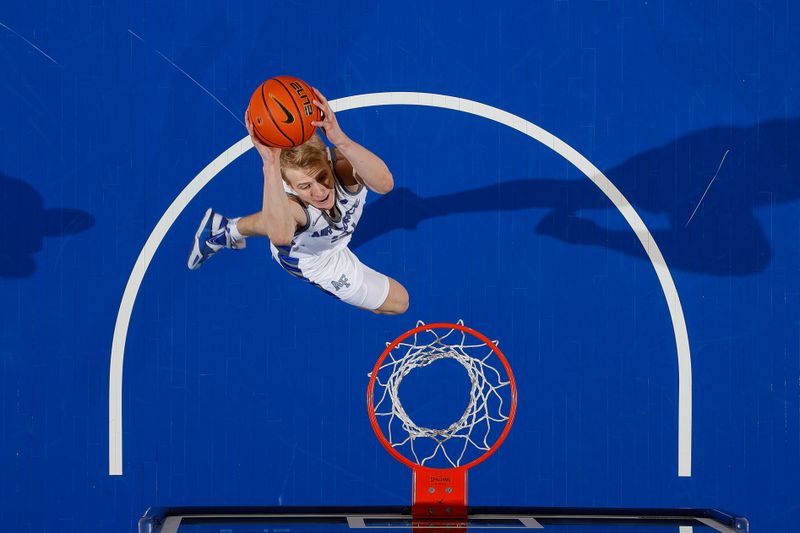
column 281, row 111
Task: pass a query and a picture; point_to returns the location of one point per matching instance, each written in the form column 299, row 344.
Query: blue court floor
column 611, row 190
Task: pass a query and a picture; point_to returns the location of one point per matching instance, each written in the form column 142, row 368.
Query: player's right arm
column 279, row 217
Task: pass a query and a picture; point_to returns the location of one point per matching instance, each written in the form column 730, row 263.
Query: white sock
column 234, row 231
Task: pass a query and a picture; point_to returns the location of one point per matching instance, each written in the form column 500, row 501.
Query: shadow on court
column 724, row 237
column 28, row 222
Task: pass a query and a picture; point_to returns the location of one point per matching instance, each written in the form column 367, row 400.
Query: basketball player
column 313, row 199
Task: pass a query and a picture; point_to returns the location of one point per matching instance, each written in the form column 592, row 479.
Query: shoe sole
column 196, row 246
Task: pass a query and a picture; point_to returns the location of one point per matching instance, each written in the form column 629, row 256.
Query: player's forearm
column 369, row 167
column 276, row 219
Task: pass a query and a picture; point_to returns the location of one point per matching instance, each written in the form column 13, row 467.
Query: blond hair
column 309, row 156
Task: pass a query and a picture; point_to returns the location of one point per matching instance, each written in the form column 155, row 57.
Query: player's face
column 314, row 187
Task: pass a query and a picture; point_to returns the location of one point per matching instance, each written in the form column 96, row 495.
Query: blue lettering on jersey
column 349, row 215
column 345, row 229
column 324, row 232
column 341, row 235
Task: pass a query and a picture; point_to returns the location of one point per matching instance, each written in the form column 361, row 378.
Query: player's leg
column 378, row 292
column 346, row 277
column 396, row 302
column 251, row 226
column 214, row 233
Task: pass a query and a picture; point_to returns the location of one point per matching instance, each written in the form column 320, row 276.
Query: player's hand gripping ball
column 281, row 110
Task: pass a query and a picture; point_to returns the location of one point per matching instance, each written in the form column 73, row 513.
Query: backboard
column 317, row 519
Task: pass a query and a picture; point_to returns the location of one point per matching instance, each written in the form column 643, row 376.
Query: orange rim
column 371, row 407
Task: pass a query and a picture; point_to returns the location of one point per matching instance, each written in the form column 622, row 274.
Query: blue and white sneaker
column 213, row 235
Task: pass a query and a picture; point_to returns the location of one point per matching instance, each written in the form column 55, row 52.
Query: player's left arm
column 368, row 168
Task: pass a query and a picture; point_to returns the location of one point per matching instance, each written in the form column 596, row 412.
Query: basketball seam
column 263, row 139
column 299, row 115
column 263, row 98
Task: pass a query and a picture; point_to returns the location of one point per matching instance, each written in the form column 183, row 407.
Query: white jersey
column 313, row 244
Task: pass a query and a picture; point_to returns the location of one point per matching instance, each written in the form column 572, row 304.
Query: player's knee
column 396, row 302
column 405, row 303
column 400, row 307
column 392, row 309
column 401, row 300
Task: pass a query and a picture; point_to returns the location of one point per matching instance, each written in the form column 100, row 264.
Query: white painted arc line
column 617, row 198
column 430, row 100
column 132, row 289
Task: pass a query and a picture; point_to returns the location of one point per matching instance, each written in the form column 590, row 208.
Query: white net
column 489, row 404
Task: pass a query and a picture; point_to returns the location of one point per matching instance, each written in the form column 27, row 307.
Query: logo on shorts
column 343, row 282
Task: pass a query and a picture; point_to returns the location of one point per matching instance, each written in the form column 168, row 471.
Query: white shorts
column 343, row 275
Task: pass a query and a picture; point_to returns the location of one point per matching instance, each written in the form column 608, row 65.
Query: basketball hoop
column 441, row 457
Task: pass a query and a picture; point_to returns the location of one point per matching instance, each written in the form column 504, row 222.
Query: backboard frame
column 169, row 519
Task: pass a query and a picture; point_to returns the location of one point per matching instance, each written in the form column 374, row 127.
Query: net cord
column 486, row 404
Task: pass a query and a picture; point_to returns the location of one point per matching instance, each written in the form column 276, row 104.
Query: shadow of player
column 28, row 222
column 724, row 237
